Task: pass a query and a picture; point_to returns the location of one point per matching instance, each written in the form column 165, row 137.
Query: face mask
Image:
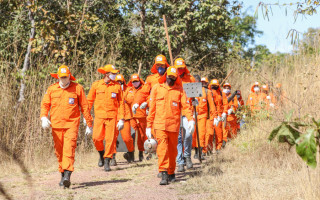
column 170, row 81
column 161, row 70
column 256, row 89
column 112, row 76
column 64, row 82
column 136, row 84
column 227, row 91
column 215, row 87
column 122, row 86
column 204, row 85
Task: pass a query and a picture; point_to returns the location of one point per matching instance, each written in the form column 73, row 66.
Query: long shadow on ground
column 96, row 183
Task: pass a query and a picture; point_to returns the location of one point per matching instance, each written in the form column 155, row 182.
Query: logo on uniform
column 175, row 104
column 250, row 98
column 113, row 95
column 71, row 100
column 204, row 100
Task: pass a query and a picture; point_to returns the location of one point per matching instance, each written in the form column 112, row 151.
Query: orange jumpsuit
column 63, row 105
column 165, row 107
column 108, row 104
column 139, row 120
column 215, row 106
column 255, row 100
column 240, row 104
column 230, row 131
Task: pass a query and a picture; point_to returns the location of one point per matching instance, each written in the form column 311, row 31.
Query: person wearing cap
column 216, row 105
column 230, row 131
column 106, row 96
column 167, row 100
column 270, row 100
column 63, row 100
column 184, row 147
column 139, row 119
column 203, row 116
column 240, row 120
column 256, row 98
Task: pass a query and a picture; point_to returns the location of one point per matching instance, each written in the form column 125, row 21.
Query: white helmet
column 150, row 146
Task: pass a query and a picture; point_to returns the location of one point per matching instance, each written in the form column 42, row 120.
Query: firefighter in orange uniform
column 167, row 100
column 63, row 100
column 270, row 100
column 106, row 96
column 231, row 126
column 256, row 98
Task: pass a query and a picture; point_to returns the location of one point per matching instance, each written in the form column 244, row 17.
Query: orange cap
column 63, row 71
column 278, row 85
column 119, row 77
column 215, row 82
column 204, row 79
column 265, row 87
column 135, row 77
column 160, row 59
column 179, row 63
column 227, row 84
column 172, row 71
column 108, row 68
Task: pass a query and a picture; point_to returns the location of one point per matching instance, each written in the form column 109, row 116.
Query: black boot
column 164, row 180
column 140, row 156
column 66, row 179
column 159, row 175
column 181, row 168
column 113, row 160
column 101, row 160
column 107, row 164
column 189, row 163
column 129, row 156
column 172, row 178
column 196, row 155
column 202, row 154
column 149, row 156
column 61, row 182
column 224, row 143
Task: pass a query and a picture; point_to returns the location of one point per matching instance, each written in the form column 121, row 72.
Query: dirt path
column 125, row 181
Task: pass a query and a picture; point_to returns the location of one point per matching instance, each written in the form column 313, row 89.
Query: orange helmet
column 214, row 82
column 160, row 59
column 278, row 85
column 265, row 87
column 204, row 79
column 108, row 68
column 255, row 84
column 135, row 77
column 179, row 63
column 227, row 84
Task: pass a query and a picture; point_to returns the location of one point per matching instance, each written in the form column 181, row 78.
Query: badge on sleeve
column 175, row 104
column 113, row 95
column 71, row 100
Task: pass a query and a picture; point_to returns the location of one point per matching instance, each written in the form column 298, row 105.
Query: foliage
column 305, row 140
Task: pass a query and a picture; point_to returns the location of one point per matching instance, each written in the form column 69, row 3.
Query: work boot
column 66, row 179
column 189, row 163
column 149, row 156
column 217, row 151
column 140, row 156
column 61, row 182
column 129, row 156
column 164, row 180
column 159, row 175
column 224, row 143
column 101, row 160
column 172, row 178
column 196, row 155
column 202, row 154
column 113, row 160
column 107, row 164
column 181, row 168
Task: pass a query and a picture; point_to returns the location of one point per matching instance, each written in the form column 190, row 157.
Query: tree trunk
column 26, row 62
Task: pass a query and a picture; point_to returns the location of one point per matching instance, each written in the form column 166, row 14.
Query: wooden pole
column 168, row 39
column 139, row 70
column 221, row 84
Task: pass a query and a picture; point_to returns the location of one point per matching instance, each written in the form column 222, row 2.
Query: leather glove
column 143, row 105
column 223, row 116
column 230, row 111
column 191, row 126
column 148, row 133
column 215, row 122
column 134, row 108
column 120, row 124
column 89, row 130
column 45, row 123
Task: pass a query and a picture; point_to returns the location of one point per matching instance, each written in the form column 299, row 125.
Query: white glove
column 215, row 122
column 268, row 97
column 230, row 111
column 45, row 123
column 219, row 119
column 148, row 133
column 143, row 105
column 120, row 124
column 135, row 107
column 243, row 116
column 272, row 105
column 223, row 116
column 191, row 126
column 147, row 111
column 84, row 122
column 88, row 130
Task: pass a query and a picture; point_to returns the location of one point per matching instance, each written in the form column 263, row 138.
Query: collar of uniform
column 168, row 87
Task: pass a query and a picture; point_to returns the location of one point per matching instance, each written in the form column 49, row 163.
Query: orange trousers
column 211, row 130
column 231, row 129
column 167, row 150
column 65, row 143
column 140, row 124
column 105, row 129
column 202, row 129
column 126, row 136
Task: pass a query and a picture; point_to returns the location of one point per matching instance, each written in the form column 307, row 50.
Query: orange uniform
column 138, row 121
column 166, row 104
column 232, row 126
column 256, row 99
column 108, row 105
column 215, row 105
column 63, row 105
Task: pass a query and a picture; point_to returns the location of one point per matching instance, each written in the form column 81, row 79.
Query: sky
column 276, row 29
